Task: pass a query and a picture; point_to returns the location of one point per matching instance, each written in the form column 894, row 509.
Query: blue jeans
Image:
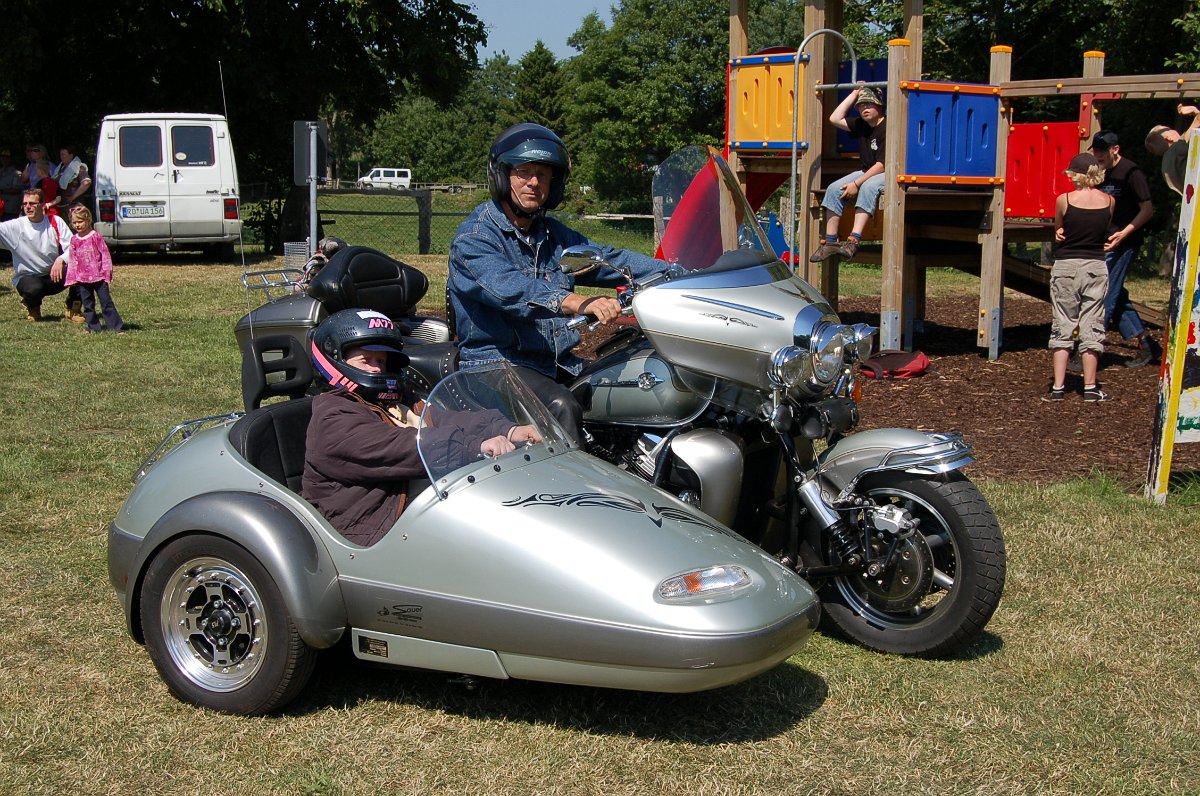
column 1118, row 312
column 868, row 194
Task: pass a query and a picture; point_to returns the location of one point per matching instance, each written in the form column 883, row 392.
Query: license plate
column 143, row 211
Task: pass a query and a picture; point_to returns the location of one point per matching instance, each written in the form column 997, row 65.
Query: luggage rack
column 287, row 280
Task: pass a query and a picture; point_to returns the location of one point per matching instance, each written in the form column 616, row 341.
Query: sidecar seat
column 272, row 438
column 274, row 364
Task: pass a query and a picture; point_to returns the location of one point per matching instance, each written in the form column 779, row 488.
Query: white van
column 167, row 179
column 386, row 178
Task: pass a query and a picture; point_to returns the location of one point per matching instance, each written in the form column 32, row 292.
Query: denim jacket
column 507, row 293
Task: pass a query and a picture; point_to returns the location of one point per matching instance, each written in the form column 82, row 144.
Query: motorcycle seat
column 272, row 438
column 362, row 277
column 429, row 363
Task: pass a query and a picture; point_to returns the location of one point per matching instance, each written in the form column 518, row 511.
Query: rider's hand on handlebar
column 602, row 308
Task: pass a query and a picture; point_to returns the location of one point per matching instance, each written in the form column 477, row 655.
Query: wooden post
column 914, row 31
column 809, row 225
column 739, row 45
column 1093, row 67
column 895, row 325
column 991, row 269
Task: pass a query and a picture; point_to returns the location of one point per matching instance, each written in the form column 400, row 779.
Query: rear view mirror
column 581, row 259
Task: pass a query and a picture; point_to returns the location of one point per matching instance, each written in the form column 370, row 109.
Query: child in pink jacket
column 91, row 269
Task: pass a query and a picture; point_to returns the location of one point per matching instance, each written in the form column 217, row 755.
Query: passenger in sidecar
column 361, row 457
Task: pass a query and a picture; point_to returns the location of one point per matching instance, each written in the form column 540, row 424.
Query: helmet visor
column 536, row 150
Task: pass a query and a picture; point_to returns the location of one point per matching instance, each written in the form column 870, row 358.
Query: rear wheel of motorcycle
column 218, row 630
column 961, row 576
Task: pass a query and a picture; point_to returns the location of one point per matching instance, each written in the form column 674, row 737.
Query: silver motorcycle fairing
column 842, row 465
column 728, row 323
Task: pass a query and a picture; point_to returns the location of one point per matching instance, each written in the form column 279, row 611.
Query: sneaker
column 1095, row 394
column 824, row 252
column 1148, row 351
column 848, row 248
column 1055, row 393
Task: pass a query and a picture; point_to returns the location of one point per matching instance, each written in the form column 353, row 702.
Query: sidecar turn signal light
column 703, row 584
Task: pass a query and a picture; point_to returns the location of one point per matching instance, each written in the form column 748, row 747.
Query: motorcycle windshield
column 483, row 419
column 707, row 214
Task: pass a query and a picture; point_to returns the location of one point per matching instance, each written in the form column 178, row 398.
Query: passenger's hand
column 57, row 271
column 1187, row 110
column 496, row 446
column 1060, row 235
column 520, row 434
column 849, row 190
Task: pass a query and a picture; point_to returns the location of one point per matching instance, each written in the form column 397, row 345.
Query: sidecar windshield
column 707, row 214
column 483, row 419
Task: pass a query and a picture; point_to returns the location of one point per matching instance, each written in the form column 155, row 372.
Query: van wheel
column 226, row 252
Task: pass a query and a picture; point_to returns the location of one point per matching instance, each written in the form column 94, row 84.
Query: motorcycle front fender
column 841, row 466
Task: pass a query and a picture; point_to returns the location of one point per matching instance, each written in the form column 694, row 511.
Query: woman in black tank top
column 1079, row 279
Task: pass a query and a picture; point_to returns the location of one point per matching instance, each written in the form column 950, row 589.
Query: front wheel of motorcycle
column 946, row 580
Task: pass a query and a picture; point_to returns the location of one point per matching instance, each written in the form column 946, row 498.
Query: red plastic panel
column 1038, row 153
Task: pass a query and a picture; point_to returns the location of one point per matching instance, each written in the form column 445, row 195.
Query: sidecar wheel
column 958, row 576
column 217, row 628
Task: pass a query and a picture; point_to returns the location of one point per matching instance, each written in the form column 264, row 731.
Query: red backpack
column 896, row 365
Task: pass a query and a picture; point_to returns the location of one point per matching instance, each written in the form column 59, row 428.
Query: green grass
column 1084, row 683
column 390, row 223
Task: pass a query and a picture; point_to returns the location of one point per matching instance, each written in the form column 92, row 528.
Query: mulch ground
column 998, row 405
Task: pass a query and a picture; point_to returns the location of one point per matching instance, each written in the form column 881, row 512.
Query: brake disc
column 907, row 582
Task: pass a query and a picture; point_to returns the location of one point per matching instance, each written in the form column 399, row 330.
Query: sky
column 514, row 26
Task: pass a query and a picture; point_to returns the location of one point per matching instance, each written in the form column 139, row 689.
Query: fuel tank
column 633, row 385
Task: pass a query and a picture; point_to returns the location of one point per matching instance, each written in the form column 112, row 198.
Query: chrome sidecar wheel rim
column 213, row 624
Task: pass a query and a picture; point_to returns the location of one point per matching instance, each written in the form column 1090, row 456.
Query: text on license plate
column 142, row 211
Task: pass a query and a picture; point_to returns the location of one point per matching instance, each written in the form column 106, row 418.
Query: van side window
column 141, row 145
column 192, row 145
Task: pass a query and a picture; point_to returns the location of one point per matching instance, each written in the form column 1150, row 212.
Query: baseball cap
column 1082, row 162
column 868, row 95
column 1105, row 139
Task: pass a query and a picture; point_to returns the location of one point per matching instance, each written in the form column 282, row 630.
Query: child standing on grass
column 91, row 269
column 1079, row 280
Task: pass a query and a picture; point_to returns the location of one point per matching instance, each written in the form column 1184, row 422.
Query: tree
column 538, row 88
column 637, row 91
column 447, row 142
column 267, row 62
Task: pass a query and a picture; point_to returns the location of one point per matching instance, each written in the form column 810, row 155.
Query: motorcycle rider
column 361, row 462
column 509, row 299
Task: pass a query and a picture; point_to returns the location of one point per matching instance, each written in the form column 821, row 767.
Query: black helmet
column 528, row 143
column 367, row 329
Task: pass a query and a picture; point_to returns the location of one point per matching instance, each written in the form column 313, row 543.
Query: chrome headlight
column 790, row 365
column 828, row 349
column 860, row 341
